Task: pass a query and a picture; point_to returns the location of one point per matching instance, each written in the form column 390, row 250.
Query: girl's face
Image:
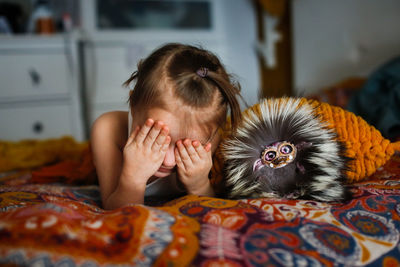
column 182, row 124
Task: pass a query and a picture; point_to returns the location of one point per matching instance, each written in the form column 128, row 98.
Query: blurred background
column 63, row 62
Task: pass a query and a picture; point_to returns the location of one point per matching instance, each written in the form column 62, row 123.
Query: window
column 153, row 14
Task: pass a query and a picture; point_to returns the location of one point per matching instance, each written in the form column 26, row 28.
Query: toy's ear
column 364, row 143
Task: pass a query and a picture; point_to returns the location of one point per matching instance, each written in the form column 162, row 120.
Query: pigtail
column 131, row 78
column 194, row 74
column 230, row 92
column 134, row 76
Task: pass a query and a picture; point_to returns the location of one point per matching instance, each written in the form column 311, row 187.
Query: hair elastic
column 202, row 72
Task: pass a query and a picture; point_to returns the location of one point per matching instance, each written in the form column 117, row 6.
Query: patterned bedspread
column 63, row 225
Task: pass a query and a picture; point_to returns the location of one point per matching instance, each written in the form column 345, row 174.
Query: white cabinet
column 48, row 120
column 107, row 66
column 33, row 75
column 40, row 88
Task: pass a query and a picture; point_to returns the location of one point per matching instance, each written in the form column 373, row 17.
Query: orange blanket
column 63, row 225
column 53, row 160
column 47, row 223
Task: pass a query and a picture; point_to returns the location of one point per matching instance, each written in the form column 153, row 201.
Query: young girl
column 163, row 146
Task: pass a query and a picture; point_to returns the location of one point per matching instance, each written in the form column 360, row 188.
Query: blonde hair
column 195, row 76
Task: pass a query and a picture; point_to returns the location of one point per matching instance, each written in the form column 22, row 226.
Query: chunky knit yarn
column 364, row 143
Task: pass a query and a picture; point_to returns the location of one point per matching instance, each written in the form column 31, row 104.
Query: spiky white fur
column 239, row 151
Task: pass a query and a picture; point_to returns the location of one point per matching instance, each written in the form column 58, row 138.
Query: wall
column 337, row 39
column 241, row 37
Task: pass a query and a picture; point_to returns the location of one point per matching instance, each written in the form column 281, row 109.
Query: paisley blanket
column 54, row 224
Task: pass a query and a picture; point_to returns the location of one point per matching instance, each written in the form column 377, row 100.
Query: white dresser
column 40, row 94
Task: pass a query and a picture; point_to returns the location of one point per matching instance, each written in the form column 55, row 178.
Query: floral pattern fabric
column 64, row 225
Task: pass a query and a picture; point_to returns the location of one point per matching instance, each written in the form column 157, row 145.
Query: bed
column 51, row 215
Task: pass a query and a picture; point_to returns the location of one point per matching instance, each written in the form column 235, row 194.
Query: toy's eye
column 286, row 149
column 270, row 155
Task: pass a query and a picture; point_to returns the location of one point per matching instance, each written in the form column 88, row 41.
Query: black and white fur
column 317, row 172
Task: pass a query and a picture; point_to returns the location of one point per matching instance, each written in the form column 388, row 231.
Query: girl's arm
column 107, row 142
column 124, row 168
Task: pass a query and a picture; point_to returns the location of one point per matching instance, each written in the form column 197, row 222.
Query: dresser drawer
column 36, row 122
column 33, row 74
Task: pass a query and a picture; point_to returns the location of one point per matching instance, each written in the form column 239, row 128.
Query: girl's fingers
column 184, row 155
column 178, row 159
column 165, row 146
column 153, row 133
column 144, row 130
column 208, row 147
column 132, row 136
column 194, row 156
column 160, row 139
column 202, row 151
column 177, row 156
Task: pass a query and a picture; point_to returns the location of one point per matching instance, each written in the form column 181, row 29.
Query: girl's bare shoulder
column 111, row 127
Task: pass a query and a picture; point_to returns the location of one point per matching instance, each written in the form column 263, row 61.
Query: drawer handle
column 35, row 77
column 37, row 127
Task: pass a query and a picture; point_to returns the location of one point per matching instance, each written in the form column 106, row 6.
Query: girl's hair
column 194, row 74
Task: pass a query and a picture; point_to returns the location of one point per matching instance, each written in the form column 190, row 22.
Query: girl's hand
column 144, row 151
column 194, row 164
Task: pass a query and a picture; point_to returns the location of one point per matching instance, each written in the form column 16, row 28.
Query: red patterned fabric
column 63, row 225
